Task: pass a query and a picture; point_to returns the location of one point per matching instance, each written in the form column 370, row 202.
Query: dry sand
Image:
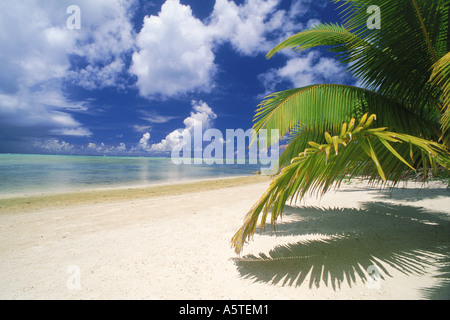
column 173, row 242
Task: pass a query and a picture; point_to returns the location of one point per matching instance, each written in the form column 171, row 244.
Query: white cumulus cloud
column 246, row 26
column 202, row 116
column 307, row 69
column 54, row 146
column 94, row 148
column 36, row 61
column 175, row 53
column 144, row 142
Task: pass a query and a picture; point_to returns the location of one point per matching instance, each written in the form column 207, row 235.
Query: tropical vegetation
column 393, row 123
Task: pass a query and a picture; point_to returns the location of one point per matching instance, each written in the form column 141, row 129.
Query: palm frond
column 330, row 35
column 413, row 35
column 441, row 78
column 325, row 107
column 297, row 142
column 356, row 150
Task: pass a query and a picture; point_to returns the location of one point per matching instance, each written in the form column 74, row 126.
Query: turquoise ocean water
column 28, row 174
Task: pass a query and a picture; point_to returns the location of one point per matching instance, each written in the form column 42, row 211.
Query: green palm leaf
column 359, row 150
column 319, row 35
column 327, row 106
column 393, row 61
column 413, row 36
column 441, row 77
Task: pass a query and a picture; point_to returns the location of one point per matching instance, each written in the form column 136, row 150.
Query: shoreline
column 113, row 187
column 36, row 201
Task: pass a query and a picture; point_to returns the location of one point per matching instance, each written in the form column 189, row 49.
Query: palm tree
column 404, row 73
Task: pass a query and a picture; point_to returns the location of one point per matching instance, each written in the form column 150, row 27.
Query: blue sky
column 139, row 72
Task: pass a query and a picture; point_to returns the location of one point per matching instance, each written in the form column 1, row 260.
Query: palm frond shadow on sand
column 405, row 238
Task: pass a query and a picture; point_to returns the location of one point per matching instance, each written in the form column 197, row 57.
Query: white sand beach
column 355, row 243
